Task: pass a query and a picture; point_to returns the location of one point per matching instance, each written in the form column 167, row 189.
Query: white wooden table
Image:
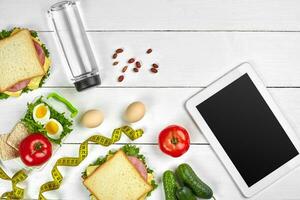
column 194, row 42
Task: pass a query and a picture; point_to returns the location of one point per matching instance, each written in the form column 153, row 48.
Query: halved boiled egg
column 41, row 113
column 53, row 128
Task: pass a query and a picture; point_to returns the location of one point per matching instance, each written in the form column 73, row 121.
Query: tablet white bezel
column 199, row 120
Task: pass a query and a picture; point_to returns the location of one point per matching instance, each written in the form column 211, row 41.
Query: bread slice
column 18, row 60
column 117, row 179
column 17, row 135
column 6, row 151
column 91, row 169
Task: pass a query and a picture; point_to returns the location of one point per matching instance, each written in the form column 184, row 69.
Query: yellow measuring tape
column 16, row 193
column 20, row 176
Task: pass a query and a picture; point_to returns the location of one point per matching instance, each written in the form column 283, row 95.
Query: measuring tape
column 18, row 193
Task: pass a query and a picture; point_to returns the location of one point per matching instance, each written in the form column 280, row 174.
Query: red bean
column 153, row 70
column 138, row 64
column 149, row 51
column 121, row 78
column 114, row 56
column 120, row 50
column 154, row 65
column 124, row 69
column 131, row 60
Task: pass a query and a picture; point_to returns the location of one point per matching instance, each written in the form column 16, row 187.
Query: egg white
column 44, row 119
column 57, row 134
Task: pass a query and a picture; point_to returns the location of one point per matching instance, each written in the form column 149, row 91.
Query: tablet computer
column 246, row 129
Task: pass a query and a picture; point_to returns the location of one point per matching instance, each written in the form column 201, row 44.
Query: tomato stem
column 174, row 140
column 38, row 146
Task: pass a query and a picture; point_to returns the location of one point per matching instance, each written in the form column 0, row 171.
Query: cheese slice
column 13, row 94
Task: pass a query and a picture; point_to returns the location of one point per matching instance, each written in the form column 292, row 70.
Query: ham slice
column 19, row 86
column 139, row 165
column 22, row 84
column 40, row 52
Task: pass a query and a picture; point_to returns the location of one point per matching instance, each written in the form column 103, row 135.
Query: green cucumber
column 185, row 193
column 170, row 185
column 186, row 174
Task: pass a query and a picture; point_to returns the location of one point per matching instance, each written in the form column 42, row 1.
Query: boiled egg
column 134, row 112
column 53, row 129
column 41, row 113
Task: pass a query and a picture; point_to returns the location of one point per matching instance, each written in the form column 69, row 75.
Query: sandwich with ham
column 120, row 175
column 24, row 62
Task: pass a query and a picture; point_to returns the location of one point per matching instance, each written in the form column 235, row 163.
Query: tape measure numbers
column 17, row 192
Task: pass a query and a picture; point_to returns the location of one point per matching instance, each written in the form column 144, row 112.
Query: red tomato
column 35, row 149
column 174, row 140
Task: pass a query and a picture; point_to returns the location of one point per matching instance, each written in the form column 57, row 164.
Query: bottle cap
column 87, row 83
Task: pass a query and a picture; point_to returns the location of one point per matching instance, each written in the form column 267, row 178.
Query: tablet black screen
column 247, row 129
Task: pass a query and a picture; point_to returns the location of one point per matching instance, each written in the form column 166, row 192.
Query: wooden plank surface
column 165, row 106
column 188, row 59
column 164, row 14
column 194, row 42
column 200, row 157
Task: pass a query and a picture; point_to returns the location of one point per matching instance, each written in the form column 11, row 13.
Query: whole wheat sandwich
column 24, row 62
column 120, row 175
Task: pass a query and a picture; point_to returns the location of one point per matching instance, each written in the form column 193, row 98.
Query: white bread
column 91, row 169
column 117, row 179
column 18, row 60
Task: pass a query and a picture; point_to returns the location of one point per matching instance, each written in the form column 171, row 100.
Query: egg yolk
column 51, row 127
column 41, row 111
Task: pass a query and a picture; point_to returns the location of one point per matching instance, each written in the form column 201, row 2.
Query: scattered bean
column 149, row 51
column 153, row 70
column 138, row 64
column 154, row 65
column 124, row 69
column 120, row 50
column 121, row 78
column 131, row 60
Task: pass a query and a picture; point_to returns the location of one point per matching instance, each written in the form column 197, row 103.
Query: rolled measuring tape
column 18, row 193
column 83, row 153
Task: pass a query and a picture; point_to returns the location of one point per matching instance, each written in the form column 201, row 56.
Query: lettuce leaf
column 35, row 127
column 5, row 33
column 3, row 96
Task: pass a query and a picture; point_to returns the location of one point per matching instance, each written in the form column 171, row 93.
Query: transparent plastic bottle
column 75, row 45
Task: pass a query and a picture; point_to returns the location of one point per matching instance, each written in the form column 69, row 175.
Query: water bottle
column 75, row 45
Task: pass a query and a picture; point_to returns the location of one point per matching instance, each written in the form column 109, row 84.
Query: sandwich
column 24, row 62
column 120, row 175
